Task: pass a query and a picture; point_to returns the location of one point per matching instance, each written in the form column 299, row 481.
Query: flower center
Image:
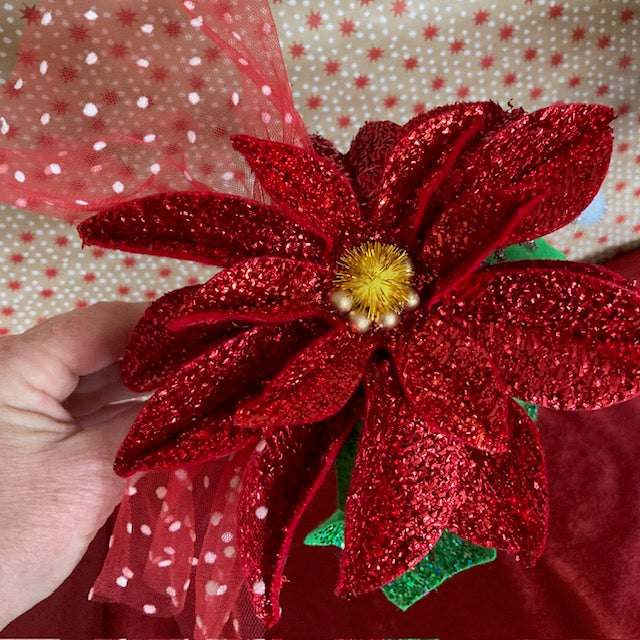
column 373, row 285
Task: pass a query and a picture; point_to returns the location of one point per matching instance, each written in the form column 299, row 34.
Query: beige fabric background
column 351, row 61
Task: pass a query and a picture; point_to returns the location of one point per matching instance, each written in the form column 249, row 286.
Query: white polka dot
column 92, row 57
column 210, row 557
column 259, row 588
column 181, row 474
column 243, row 62
column 4, row 126
column 235, row 98
column 216, row 518
column 229, row 551
column 129, row 526
column 19, row 176
column 145, row 529
column 261, row 513
column 191, row 136
column 91, row 15
column 211, row 587
column 161, row 492
column 189, row 5
column 227, row 536
column 100, row 145
column 54, row 168
column 146, row 28
column 18, row 84
column 142, row 102
column 90, row 110
column 149, row 609
column 266, row 90
column 46, row 18
column 170, row 591
column 155, row 169
column 170, row 551
column 175, row 526
column 195, row 61
column 265, row 116
column 234, row 482
column 165, row 563
column 185, row 586
column 142, row 62
column 121, row 581
column 127, row 573
column 194, row 97
column 197, row 22
column 131, row 491
column 221, row 590
column 45, row 118
column 193, row 561
column 118, row 187
column 44, row 66
column 150, row 137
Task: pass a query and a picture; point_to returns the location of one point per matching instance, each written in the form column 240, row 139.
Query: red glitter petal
column 420, row 162
column 154, row 353
column 367, row 157
column 450, row 380
column 563, row 335
column 260, row 289
column 280, row 480
column 487, row 220
column 190, row 418
column 316, row 384
column 563, row 151
column 403, row 490
column 213, row 228
column 312, row 191
column 327, row 150
column 506, row 502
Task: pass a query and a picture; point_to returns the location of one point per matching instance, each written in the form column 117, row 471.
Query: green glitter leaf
column 450, row 556
column 329, row 533
column 534, row 250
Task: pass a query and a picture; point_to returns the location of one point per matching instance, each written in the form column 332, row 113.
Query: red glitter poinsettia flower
column 361, row 294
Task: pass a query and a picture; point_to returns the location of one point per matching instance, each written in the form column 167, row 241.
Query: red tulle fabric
column 126, row 99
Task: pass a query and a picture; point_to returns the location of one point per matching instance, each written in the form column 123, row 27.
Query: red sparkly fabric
column 524, row 174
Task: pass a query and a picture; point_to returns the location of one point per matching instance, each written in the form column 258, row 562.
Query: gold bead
column 388, row 320
column 413, row 299
column 341, row 300
column 359, row 322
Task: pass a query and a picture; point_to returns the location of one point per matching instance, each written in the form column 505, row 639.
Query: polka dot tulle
column 165, row 557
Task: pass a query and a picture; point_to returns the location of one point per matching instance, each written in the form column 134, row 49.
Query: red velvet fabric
column 587, row 583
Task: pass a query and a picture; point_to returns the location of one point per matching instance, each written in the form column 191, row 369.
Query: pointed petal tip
column 243, row 143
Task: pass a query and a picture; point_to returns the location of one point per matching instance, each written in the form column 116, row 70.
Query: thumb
column 104, row 431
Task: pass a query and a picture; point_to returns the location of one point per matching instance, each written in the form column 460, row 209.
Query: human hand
column 59, row 432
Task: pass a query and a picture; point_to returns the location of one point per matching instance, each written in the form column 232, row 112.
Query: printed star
column 556, row 59
column 297, row 50
column 126, row 17
column 347, row 28
column 578, row 34
column 480, row 17
column 172, row 29
column 314, row 20
column 375, row 53
column 430, row 32
column 78, row 32
column 506, row 32
column 332, row 67
column 604, row 42
column 31, row 14
column 555, row 11
column 399, row 7
column 456, row 46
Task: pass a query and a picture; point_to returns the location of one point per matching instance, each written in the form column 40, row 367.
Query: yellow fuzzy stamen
column 377, row 277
